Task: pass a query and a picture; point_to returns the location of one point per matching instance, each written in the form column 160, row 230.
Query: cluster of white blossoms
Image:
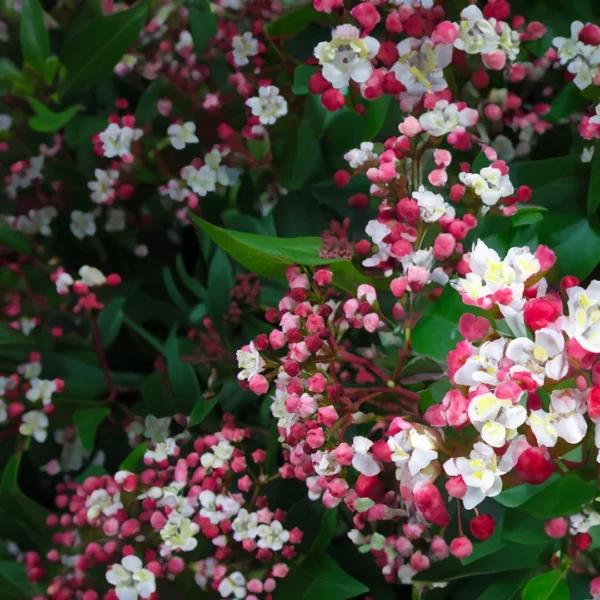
column 34, row 222
column 22, row 179
column 583, row 322
column 117, row 140
column 250, row 362
column 495, row 41
column 412, row 453
column 582, row 60
column 101, row 502
column 446, row 118
column 102, row 188
column 131, row 580
column 182, row 135
column 83, row 224
column 347, row 56
column 432, row 207
column 243, row 47
column 357, row 157
column 269, row 105
column 489, row 184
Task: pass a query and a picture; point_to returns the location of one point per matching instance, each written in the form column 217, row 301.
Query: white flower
column 181, row 135
column 543, row 358
column 583, row 321
column 233, row 584
column 483, row 366
column 245, row 526
column 115, row 220
column 490, row 185
column 377, row 231
column 347, row 57
column 476, row 34
column 35, row 424
column 432, row 206
column 596, row 118
column 362, row 461
column 27, row 370
column 325, row 463
column 178, row 534
column 41, row 389
column 101, row 502
column 184, row 43
column 201, row 181
column 27, row 325
column 217, row 508
column 204, row 571
column 357, row 157
column 569, row 48
column 250, row 362
column 565, row 420
column 5, row 122
column 272, row 536
column 587, row 154
column 3, row 413
column 285, row 419
column 497, row 420
column 131, row 580
column 161, row 451
column 82, row 224
column 219, row 456
column 243, row 46
column 103, row 187
column 414, row 449
column 90, row 276
column 446, row 117
column 63, row 282
column 117, row 140
column 268, row 106
column 481, row 472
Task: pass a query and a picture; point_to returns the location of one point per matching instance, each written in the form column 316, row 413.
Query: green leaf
column 134, row 461
column 220, row 284
column 147, row 107
column 568, row 101
column 319, row 578
column 520, row 528
column 519, row 494
column 146, row 335
column 292, row 22
column 182, row 377
column 47, row 121
column 110, row 320
column 156, row 400
column 204, row 406
column 87, row 422
column 302, row 74
column 547, row 586
column 593, row 198
column 14, row 581
column 12, row 238
column 35, row 43
column 203, row 23
column 376, row 112
column 507, row 588
column 304, row 159
column 91, row 54
column 563, row 497
column 327, row 532
column 437, row 333
column 174, row 294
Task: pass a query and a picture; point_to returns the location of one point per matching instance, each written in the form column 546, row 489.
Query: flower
column 481, row 473
column 490, row 185
column 497, row 420
column 362, row 461
column 217, row 508
column 432, row 206
column 272, row 536
column 268, row 106
column 90, row 276
column 233, row 584
column 446, row 117
column 41, row 389
column 583, row 321
column 243, row 46
column 347, row 56
column 245, row 526
column 117, row 140
column 414, row 449
column 250, row 362
column 482, row 366
column 35, row 424
column 103, row 187
column 357, row 157
column 477, row 35
column 201, row 181
column 130, row 579
column 178, row 534
column 82, row 224
column 181, row 135
column 101, row 502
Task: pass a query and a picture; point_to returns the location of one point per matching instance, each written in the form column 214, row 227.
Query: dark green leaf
column 507, row 588
column 292, row 22
column 568, row 101
column 376, row 112
column 173, row 291
column 91, row 54
column 563, row 497
column 302, row 73
column 12, row 238
column 328, row 526
column 203, row 23
column 519, row 494
column 319, row 578
column 87, row 422
column 14, row 581
column 157, row 401
column 147, row 107
column 35, row 43
column 47, row 121
column 521, row 528
column 304, row 159
column 204, row 405
column 182, row 377
column 593, row 198
column 220, row 284
column 110, row 320
column 134, row 461
column 547, row 586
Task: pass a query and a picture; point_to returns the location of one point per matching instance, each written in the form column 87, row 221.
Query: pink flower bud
column 495, row 60
column 439, row 547
column 317, row 383
column 315, row 438
column 327, row 415
column 344, row 454
column 410, row 127
column 456, row 487
column 446, row 32
column 473, row 328
column 482, row 527
column 556, row 528
column 444, row 246
column 461, row 547
column 258, row 384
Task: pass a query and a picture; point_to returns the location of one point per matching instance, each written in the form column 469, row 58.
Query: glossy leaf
column 87, row 422
column 182, row 377
column 47, row 121
column 547, row 586
column 134, row 460
column 35, row 43
column 203, row 23
column 91, row 54
column 292, row 23
column 12, row 238
column 220, row 284
column 304, row 158
column 376, row 112
column 205, row 405
column 593, row 197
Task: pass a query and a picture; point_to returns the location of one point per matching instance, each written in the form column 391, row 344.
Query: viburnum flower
column 250, row 362
column 357, row 157
column 583, row 320
column 245, row 525
column 565, row 420
column 497, row 420
column 235, row 584
column 482, row 366
column 446, row 117
column 131, row 580
column 41, row 389
column 35, row 424
column 347, row 56
column 542, row 358
column 362, row 460
column 432, row 206
column 117, row 140
column 569, row 48
column 90, row 276
column 481, row 472
column 201, row 180
column 272, row 536
column 178, row 534
column 243, row 46
column 101, row 502
column 477, row 34
column 268, row 106
column 103, row 188
column 489, row 184
column 82, row 224
column 413, row 449
column 181, row 135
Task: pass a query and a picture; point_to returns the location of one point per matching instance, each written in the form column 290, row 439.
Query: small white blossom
column 82, row 224
column 362, row 461
column 268, row 106
column 101, row 502
column 201, row 181
column 233, row 584
column 103, row 188
column 243, row 46
column 250, row 362
column 34, row 424
column 90, row 276
column 117, row 140
column 245, row 526
column 131, row 580
column 178, row 534
column 272, row 536
column 445, row 118
column 490, row 185
column 41, row 389
column 181, row 135
column 432, row 206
